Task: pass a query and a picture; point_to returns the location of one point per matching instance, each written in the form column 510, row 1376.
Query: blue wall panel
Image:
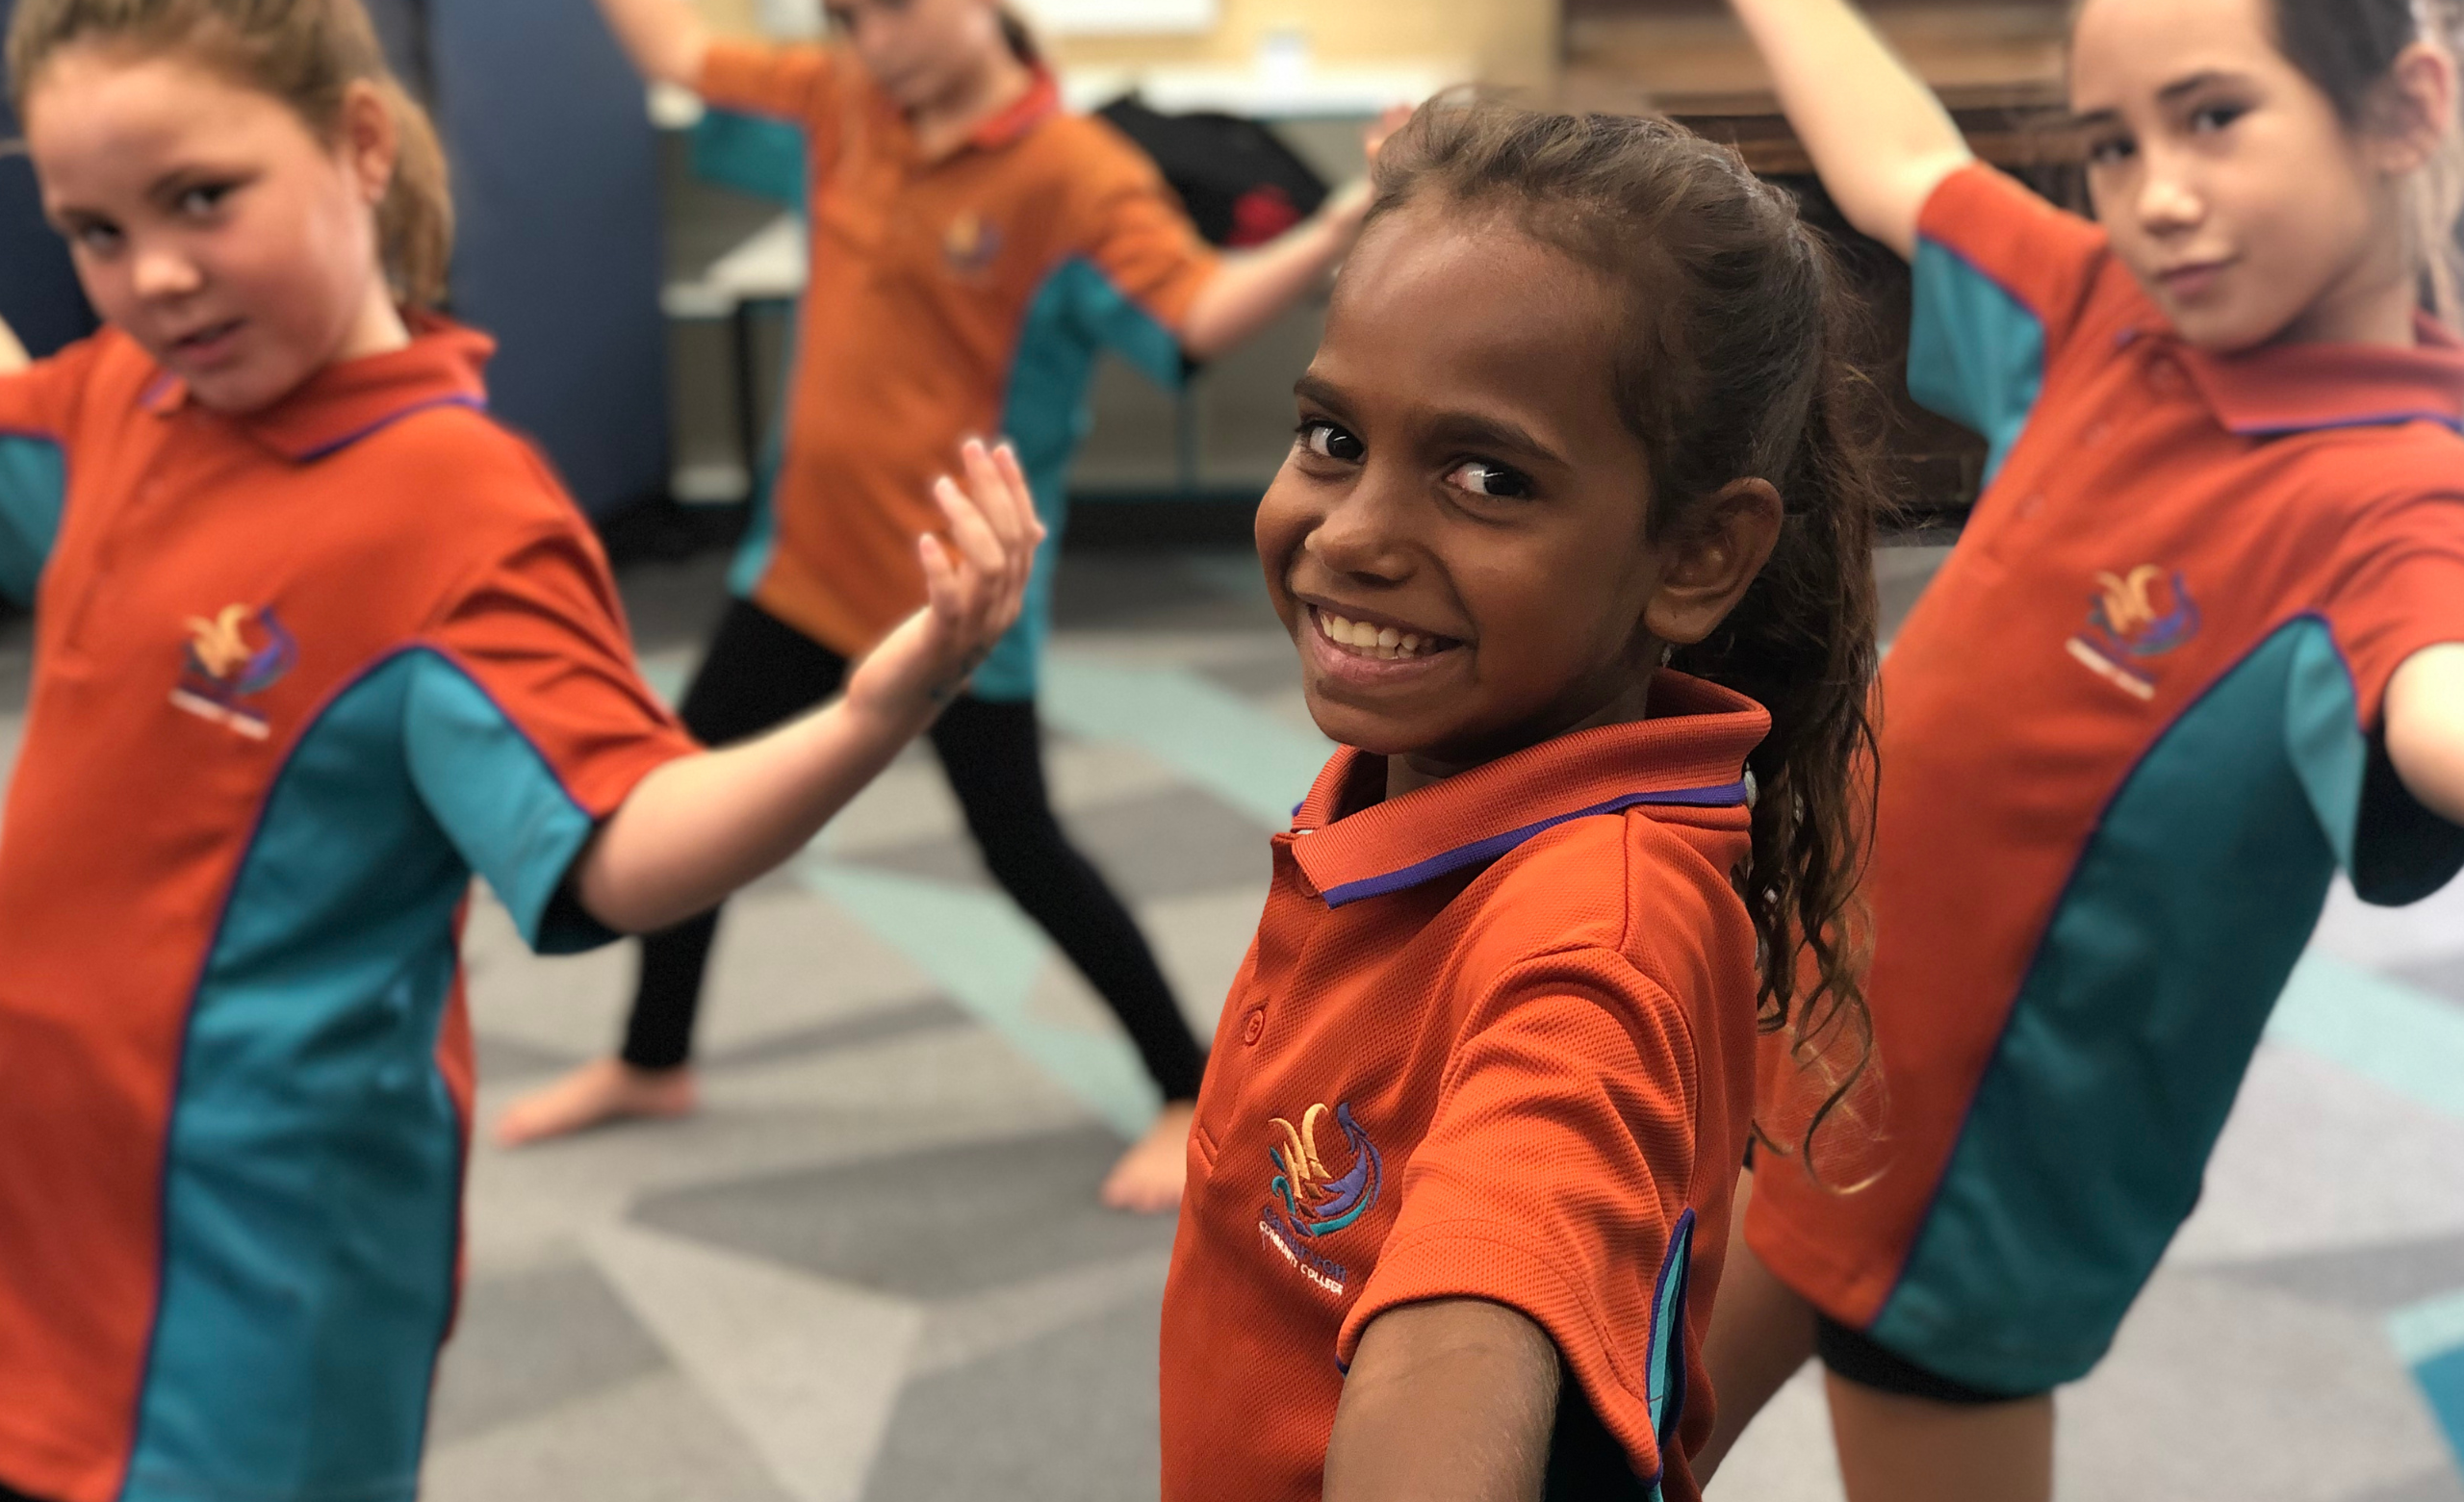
column 560, row 257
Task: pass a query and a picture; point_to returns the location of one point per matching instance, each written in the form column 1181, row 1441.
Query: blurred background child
column 974, row 248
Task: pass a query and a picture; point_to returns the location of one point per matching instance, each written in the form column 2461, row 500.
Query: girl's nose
column 1359, row 536
column 164, row 273
column 2168, row 203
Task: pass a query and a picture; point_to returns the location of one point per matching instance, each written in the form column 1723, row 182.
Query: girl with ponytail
column 1574, row 544
column 2200, row 646
column 315, row 642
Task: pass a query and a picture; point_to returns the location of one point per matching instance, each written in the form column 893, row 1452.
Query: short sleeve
column 528, row 726
column 2399, row 590
column 1149, row 262
column 1552, row 1180
column 35, row 404
column 793, row 82
column 2002, row 278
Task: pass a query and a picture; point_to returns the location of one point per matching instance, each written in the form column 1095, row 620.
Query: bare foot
column 602, row 1092
column 1150, row 1176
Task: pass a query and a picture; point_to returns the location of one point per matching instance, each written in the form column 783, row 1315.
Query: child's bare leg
column 1894, row 1449
column 1761, row 1331
column 1149, row 1178
column 602, row 1092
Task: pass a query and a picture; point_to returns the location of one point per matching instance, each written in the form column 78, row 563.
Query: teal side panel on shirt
column 1075, row 315
column 1975, row 353
column 499, row 803
column 1665, row 1376
column 765, row 158
column 2087, row 1140
column 33, row 486
column 312, row 1181
column 751, row 154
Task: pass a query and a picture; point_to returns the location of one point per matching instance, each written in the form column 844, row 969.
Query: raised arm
column 666, row 38
column 1255, row 286
column 696, row 829
column 2425, row 728
column 1879, row 138
column 1449, row 1401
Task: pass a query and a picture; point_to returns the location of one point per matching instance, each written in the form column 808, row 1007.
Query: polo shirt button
column 2165, row 375
column 1255, row 1028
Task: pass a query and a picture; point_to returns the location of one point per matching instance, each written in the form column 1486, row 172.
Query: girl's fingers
column 943, row 591
column 1013, row 474
column 968, row 530
column 991, row 491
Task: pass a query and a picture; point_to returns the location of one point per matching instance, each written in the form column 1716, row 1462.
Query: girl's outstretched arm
column 666, row 38
column 2425, row 728
column 1880, row 139
column 696, row 829
column 1254, row 286
column 13, row 354
column 1449, row 1401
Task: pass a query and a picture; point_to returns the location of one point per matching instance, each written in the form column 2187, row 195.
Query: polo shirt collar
column 1689, row 753
column 345, row 402
column 2280, row 389
column 1039, row 103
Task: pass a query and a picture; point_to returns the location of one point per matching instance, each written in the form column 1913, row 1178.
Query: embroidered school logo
column 1312, row 1200
column 971, row 245
column 233, row 657
column 2132, row 618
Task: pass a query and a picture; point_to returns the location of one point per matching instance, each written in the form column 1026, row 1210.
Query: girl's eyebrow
column 2172, row 93
column 1481, row 430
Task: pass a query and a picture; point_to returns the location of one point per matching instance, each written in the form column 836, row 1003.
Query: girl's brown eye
column 1329, row 442
column 1483, row 478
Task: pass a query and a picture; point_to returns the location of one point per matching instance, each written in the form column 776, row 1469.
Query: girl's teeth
column 1386, row 644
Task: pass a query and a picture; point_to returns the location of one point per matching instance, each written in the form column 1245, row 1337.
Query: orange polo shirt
column 969, row 294
column 1495, row 1040
column 2128, row 737
column 298, row 676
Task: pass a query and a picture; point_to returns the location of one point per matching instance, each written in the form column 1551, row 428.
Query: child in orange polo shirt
column 315, row 641
column 1576, row 558
column 2200, row 645
column 974, row 250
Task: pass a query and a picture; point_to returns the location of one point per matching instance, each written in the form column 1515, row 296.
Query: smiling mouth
column 1371, row 642
column 206, row 338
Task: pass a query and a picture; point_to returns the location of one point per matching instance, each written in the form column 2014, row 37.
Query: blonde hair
column 307, row 54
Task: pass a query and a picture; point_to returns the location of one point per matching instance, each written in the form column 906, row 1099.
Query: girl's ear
column 371, row 141
column 1704, row 575
column 2417, row 114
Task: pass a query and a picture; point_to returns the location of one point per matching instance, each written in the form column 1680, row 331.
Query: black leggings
column 762, row 672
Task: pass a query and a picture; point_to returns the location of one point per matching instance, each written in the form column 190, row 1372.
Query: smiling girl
column 1574, row 550
column 2197, row 648
column 315, row 642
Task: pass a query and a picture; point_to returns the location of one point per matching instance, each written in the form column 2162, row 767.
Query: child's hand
column 1382, row 130
column 975, row 581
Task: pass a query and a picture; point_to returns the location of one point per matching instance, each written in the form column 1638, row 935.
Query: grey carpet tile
column 2374, row 1279
column 1071, row 1418
column 657, row 1438
column 1169, row 844
column 2435, row 1486
column 2442, row 977
column 888, row 1025
column 502, row 1059
column 933, row 1225
column 533, row 1342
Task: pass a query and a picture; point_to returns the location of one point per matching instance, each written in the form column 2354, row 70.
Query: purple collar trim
column 1480, row 852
